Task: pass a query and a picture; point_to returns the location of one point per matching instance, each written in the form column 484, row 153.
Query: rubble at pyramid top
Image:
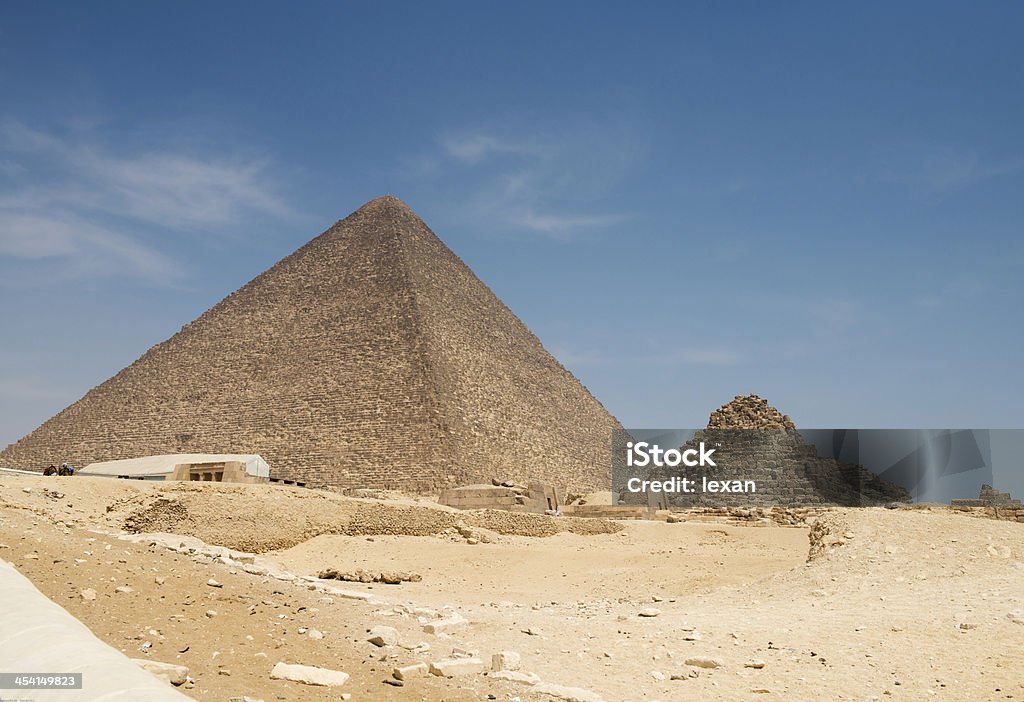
column 749, row 412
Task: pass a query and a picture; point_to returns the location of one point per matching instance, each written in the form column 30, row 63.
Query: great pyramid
column 371, row 357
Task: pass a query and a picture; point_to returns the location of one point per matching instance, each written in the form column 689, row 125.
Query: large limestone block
column 308, row 674
column 452, row 667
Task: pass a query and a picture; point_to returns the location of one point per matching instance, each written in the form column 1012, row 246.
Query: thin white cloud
column 942, row 169
column 475, row 147
column 176, row 190
column 93, row 207
column 31, row 388
column 580, row 359
column 11, row 168
column 686, row 356
column 836, row 315
column 543, row 183
column 702, row 357
column 962, row 291
column 87, row 248
column 555, row 223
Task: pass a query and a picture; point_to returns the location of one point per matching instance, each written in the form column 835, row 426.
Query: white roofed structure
column 228, row 467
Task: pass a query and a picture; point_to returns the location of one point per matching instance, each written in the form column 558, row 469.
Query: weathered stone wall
column 1012, row 513
column 370, row 357
column 988, row 496
column 535, row 498
column 786, row 471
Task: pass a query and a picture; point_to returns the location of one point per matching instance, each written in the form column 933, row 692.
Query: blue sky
column 816, row 202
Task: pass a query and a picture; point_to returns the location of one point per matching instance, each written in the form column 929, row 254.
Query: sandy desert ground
column 868, row 604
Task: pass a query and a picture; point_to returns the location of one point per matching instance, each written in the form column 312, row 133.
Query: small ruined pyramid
column 370, row 357
column 755, row 441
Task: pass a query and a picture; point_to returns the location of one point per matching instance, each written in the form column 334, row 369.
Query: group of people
column 65, row 469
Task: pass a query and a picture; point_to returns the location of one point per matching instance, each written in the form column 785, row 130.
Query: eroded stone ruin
column 753, row 441
column 988, row 496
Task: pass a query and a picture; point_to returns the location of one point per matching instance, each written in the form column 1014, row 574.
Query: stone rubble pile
column 749, row 412
column 411, row 658
column 751, row 516
column 759, row 450
column 364, row 576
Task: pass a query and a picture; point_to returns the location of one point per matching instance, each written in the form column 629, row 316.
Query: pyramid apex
column 385, row 202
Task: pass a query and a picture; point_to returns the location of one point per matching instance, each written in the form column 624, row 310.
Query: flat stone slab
column 452, row 667
column 447, row 624
column 569, row 694
column 308, row 674
column 382, row 636
column 348, row 594
column 516, row 676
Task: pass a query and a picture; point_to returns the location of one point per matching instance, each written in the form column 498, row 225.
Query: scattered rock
column 363, row 576
column 88, row 594
column 213, row 583
column 756, row 664
column 704, row 662
column 168, row 672
column 506, row 660
column 383, row 636
column 453, row 622
column 124, row 589
column 649, row 612
column 408, row 671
